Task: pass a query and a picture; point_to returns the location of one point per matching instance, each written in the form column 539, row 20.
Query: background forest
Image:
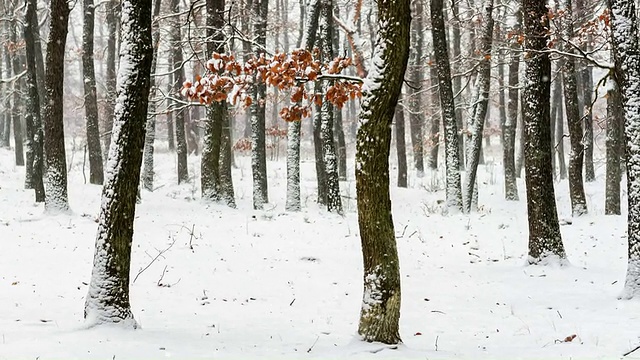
column 292, row 168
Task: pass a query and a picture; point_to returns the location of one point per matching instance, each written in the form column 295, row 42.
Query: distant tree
column 401, row 146
column 178, row 79
column 416, row 79
column 108, row 297
column 615, row 147
column 380, row 312
column 545, row 240
column 14, row 53
column 576, row 133
column 56, row 198
column 509, row 130
column 111, row 8
column 96, row 175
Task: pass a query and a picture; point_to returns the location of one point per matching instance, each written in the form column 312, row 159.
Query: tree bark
column 96, row 175
column 614, row 141
column 434, row 122
column 416, row 78
column 572, row 107
column 627, row 74
column 56, row 198
column 33, row 179
column 110, row 78
column 321, row 171
column 148, row 172
column 179, row 78
column 258, row 143
column 401, row 147
column 457, row 81
column 452, row 159
column 545, row 241
column 16, row 109
column 509, row 130
column 107, row 300
column 559, row 133
column 380, row 312
column 480, row 105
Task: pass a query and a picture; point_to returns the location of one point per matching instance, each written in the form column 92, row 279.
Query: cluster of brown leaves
column 230, row 80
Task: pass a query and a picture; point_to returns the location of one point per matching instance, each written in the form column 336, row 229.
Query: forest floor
column 238, row 283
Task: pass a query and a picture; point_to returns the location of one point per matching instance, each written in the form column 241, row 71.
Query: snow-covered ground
column 241, row 284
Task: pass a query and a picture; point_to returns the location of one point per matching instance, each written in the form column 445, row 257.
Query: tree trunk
column 572, row 108
column 171, row 143
column 56, row 199
column 16, row 110
column 110, row 79
column 179, row 78
column 614, row 145
column 416, row 79
column 457, row 81
column 306, row 42
column 150, row 130
column 545, row 241
column 108, row 296
column 338, row 129
column 480, row 106
column 258, row 143
column 210, row 161
column 334, row 202
column 434, row 122
column 452, row 160
column 226, row 179
column 559, row 133
column 627, row 73
column 321, row 172
column 32, row 117
column 96, row 175
column 380, row 311
column 401, row 147
column 509, row 130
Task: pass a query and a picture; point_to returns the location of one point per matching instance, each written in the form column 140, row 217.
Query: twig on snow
column 160, row 253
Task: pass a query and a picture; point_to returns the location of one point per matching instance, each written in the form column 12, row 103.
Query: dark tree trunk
column 401, row 146
column 96, row 175
column 210, row 161
column 554, row 108
column 434, row 122
column 150, row 131
column 258, row 143
column 545, row 240
column 334, row 202
column 416, row 79
column 509, row 130
column 108, row 297
column 321, row 172
column 110, row 79
column 627, row 72
column 16, row 110
column 380, row 313
column 56, row 199
column 171, row 143
column 457, row 81
column 179, row 78
column 572, row 107
column 32, row 117
column 341, row 148
column 480, row 107
column 453, row 190
column 585, row 79
column 615, row 117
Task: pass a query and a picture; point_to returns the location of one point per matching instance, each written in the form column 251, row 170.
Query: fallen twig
column 154, row 259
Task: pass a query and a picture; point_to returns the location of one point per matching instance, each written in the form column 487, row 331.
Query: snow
column 269, row 284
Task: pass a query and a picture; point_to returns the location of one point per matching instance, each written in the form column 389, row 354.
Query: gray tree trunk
column 614, row 143
column 414, row 91
column 509, row 130
column 16, row 109
column 33, row 179
column 179, row 78
column 480, row 106
column 572, row 107
column 452, row 159
column 56, row 198
column 545, row 241
column 148, row 172
column 107, row 300
column 110, row 79
column 96, row 175
column 401, row 146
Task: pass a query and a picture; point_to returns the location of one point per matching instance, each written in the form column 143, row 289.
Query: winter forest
column 319, row 179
